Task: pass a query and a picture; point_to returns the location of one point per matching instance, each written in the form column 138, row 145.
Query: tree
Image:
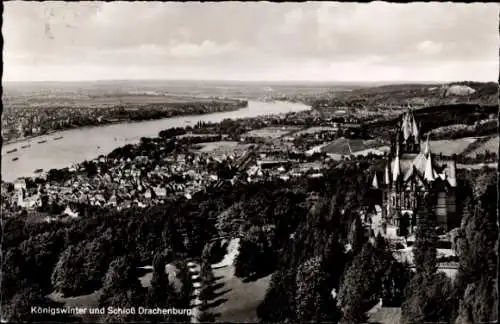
column 19, row 307
column 121, row 288
column 121, row 276
column 334, row 261
column 279, row 303
column 313, row 300
column 67, row 277
column 428, row 299
column 357, row 236
column 427, row 287
column 256, row 257
column 476, row 248
column 425, row 250
column 184, row 277
column 362, row 284
column 479, row 303
column 81, row 268
column 404, row 224
column 380, row 242
column 207, row 281
column 162, row 294
column 394, row 281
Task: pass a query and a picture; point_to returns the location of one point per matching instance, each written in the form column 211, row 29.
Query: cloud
column 292, row 21
column 206, row 48
column 251, row 38
column 429, row 47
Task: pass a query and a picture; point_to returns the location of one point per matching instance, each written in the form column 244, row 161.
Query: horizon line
column 256, row 81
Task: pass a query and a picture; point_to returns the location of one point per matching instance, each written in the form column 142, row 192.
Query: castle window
column 393, row 201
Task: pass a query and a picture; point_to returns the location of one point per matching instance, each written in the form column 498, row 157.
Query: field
column 490, row 145
column 239, row 300
column 156, row 89
column 343, row 146
column 450, row 147
column 236, row 301
column 386, row 315
column 103, row 101
column 84, row 301
column 346, row 146
column 313, row 130
column 221, row 147
column 270, row 132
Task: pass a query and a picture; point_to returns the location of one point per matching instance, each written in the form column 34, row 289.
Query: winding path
column 194, row 270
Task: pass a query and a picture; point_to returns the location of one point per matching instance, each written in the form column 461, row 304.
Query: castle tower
column 409, row 141
column 411, row 172
column 375, row 182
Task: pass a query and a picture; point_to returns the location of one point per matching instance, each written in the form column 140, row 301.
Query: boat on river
column 15, row 159
column 26, row 146
column 41, row 142
column 79, row 144
column 58, row 138
column 38, row 171
column 12, row 151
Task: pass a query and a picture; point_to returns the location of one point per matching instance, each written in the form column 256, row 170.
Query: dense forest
column 307, row 233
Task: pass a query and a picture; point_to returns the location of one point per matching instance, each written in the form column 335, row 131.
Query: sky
column 309, row 41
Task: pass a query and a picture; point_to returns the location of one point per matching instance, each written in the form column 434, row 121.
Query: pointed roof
column 427, row 148
column 429, row 173
column 396, row 169
column 416, row 133
column 409, row 126
column 409, row 173
column 406, row 127
column 375, row 182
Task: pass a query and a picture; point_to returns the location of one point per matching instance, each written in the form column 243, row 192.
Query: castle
column 411, row 172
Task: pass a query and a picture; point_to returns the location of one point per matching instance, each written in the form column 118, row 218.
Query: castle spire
column 406, row 127
column 375, row 182
column 416, row 133
column 429, row 171
column 427, row 149
column 396, row 171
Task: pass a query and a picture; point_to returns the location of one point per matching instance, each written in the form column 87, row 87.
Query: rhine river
column 78, row 145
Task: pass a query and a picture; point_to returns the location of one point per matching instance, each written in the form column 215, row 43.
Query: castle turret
column 406, row 128
column 416, row 133
column 410, row 134
column 429, row 171
column 375, row 182
column 396, row 169
column 427, row 149
column 411, row 171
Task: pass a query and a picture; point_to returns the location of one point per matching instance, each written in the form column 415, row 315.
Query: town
column 226, row 162
column 184, row 161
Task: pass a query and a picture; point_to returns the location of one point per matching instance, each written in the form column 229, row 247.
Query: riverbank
column 96, row 117
column 82, row 144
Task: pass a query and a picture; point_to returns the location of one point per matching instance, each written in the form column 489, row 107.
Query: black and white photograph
column 249, row 162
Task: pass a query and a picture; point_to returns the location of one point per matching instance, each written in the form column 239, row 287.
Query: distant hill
column 416, row 94
column 433, row 117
